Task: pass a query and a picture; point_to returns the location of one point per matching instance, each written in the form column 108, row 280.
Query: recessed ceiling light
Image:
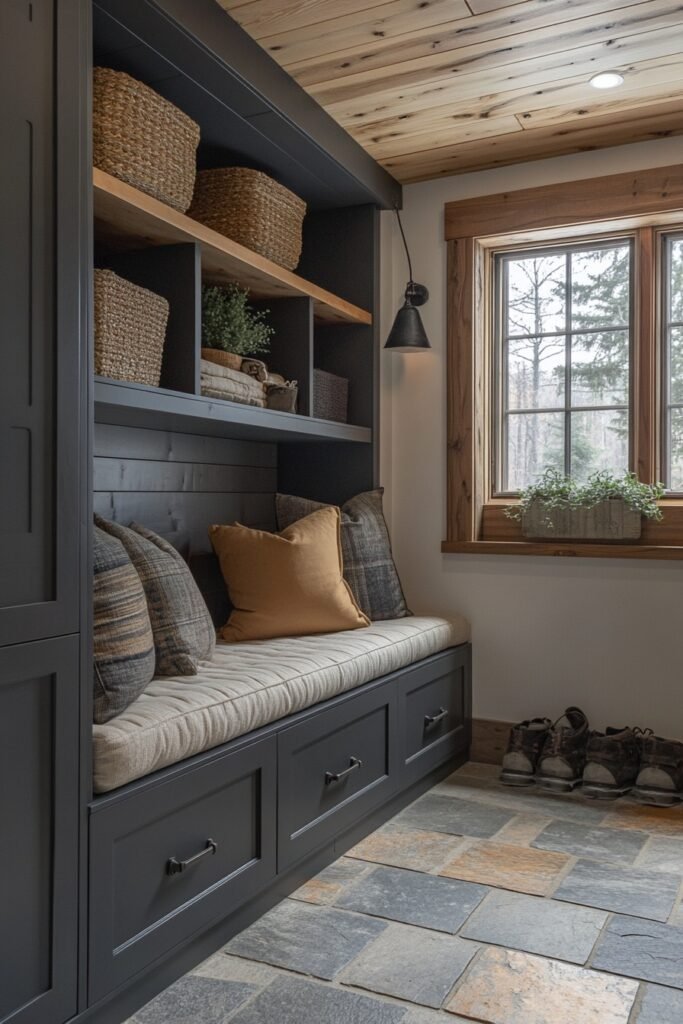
column 607, row 80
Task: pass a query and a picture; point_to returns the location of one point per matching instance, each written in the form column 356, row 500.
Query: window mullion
column 568, row 365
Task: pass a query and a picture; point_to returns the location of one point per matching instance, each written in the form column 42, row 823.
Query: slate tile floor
column 476, row 903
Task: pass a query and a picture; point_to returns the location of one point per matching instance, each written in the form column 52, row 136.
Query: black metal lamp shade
column 408, row 333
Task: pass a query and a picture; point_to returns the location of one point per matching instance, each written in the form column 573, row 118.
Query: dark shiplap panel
column 113, row 441
column 144, row 475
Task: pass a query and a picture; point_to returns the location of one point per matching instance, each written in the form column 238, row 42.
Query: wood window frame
column 642, row 204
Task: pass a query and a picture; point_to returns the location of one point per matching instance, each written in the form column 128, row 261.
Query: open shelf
column 136, row 405
column 130, row 219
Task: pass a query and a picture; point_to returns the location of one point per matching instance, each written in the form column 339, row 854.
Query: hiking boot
column 612, row 763
column 560, row 766
column 660, row 779
column 523, row 750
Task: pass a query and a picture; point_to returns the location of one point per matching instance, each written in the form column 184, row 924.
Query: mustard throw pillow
column 286, row 584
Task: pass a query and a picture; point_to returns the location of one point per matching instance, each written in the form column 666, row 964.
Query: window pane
column 601, row 288
column 535, row 441
column 600, row 368
column 599, row 441
column 677, row 280
column 536, row 373
column 676, row 364
column 676, row 450
column 536, row 294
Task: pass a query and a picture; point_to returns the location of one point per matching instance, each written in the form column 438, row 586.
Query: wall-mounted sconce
column 408, row 333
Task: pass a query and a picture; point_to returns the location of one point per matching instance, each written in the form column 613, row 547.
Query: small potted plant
column 231, row 327
column 605, row 508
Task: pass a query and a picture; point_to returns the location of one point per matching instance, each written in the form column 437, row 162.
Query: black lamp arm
column 415, row 293
column 405, row 245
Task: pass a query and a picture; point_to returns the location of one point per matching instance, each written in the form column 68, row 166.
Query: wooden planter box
column 610, row 520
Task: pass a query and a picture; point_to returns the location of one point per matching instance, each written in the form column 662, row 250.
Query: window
column 562, row 361
column 672, row 349
column 565, row 350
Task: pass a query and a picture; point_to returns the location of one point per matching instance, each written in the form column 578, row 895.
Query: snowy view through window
column 673, row 345
column 564, row 358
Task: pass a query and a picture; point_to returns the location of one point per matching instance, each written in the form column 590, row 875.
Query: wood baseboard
column 489, row 740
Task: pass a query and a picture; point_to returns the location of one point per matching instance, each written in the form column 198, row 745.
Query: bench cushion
column 246, row 686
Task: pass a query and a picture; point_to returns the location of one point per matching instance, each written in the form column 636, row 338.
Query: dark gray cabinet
column 38, row 831
column 40, row 337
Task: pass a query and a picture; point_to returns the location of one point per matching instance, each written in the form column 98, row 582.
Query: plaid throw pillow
column 123, row 643
column 184, row 633
column 369, row 567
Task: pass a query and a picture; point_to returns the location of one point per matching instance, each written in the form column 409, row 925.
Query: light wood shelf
column 130, row 219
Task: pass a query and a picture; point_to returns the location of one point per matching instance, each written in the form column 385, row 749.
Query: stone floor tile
column 478, row 770
column 522, row 829
column 633, row 891
column 663, row 821
column 310, row 940
column 660, row 1006
column 557, row 930
column 507, row 987
column 420, row 1016
column 435, row 813
column 664, row 854
column 642, row 949
column 293, row 1001
column 414, row 849
column 195, row 999
column 573, row 806
column 326, row 886
column 234, row 968
column 509, row 867
column 677, row 916
column 411, row 963
column 618, row 846
column 425, row 900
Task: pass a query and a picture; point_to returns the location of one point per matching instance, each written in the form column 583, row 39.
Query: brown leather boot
column 612, row 763
column 660, row 778
column 523, row 750
column 560, row 767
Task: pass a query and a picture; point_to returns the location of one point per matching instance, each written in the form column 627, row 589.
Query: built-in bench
column 274, row 752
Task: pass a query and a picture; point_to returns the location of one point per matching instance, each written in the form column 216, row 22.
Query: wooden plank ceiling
column 436, row 87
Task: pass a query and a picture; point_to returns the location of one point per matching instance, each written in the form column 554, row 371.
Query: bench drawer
column 333, row 768
column 169, row 860
column 435, row 711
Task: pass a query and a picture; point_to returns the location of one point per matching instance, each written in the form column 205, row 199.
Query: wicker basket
column 130, row 328
column 330, row 396
column 144, row 140
column 252, row 209
column 221, row 358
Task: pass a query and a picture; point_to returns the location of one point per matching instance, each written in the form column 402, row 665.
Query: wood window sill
column 566, row 549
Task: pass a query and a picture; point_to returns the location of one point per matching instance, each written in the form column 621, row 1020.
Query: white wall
column 606, row 634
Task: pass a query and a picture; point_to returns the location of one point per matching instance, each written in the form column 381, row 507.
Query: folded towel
column 227, row 396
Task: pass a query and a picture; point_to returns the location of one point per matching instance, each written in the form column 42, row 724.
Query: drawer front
column 171, row 859
column 333, row 768
column 435, row 700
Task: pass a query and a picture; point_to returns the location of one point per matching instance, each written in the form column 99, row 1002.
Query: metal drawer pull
column 433, row 719
column 354, row 763
column 175, row 866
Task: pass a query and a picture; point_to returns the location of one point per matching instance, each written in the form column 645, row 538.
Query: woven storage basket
column 330, row 396
column 221, row 358
column 252, row 209
column 130, row 328
column 144, row 140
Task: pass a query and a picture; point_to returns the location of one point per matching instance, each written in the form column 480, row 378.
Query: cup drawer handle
column 431, row 720
column 354, row 763
column 176, row 867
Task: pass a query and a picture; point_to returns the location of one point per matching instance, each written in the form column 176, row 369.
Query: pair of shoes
column 551, row 754
column 561, row 755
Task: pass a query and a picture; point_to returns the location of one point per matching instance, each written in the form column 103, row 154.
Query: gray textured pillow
column 123, row 643
column 369, row 567
column 183, row 631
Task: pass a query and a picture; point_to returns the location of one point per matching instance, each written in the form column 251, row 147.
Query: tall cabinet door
column 38, row 831
column 39, row 325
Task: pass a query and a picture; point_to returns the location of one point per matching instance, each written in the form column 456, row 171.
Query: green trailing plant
column 558, row 491
column 230, row 323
